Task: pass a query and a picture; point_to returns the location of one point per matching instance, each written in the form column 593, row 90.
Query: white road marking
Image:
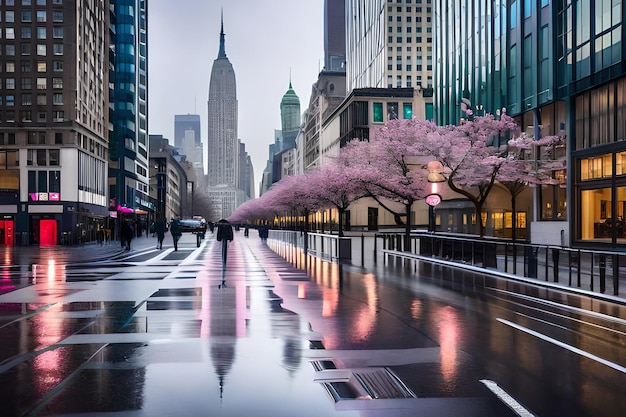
column 564, row 345
column 511, row 402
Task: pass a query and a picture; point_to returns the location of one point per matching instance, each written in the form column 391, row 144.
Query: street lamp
column 435, row 176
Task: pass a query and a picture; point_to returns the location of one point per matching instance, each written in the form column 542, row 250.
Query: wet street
column 98, row 331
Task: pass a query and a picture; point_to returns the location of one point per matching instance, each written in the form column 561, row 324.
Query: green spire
column 222, row 52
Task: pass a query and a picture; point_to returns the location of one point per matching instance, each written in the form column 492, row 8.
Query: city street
column 149, row 332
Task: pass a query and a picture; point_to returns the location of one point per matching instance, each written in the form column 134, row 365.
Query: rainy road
column 164, row 333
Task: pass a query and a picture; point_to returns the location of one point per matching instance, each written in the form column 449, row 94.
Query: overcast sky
column 265, row 42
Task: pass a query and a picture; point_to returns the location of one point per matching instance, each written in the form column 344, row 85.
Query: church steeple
column 222, row 52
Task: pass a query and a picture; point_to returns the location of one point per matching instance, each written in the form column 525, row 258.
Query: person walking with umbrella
column 224, row 235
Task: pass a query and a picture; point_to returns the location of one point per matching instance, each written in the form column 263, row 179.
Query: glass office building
column 558, row 68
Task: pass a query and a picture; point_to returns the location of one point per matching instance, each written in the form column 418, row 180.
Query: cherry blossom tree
column 333, row 186
column 388, row 169
column 470, row 161
column 531, row 162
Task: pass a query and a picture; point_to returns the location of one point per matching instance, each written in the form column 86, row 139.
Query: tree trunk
column 407, row 228
column 340, row 222
column 514, row 210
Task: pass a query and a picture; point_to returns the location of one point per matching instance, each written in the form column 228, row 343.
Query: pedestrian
column 159, row 230
column 264, row 231
column 224, row 235
column 126, row 234
column 176, row 231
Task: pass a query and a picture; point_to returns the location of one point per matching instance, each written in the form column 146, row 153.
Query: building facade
column 128, row 138
column 54, row 121
column 557, row 70
column 388, row 44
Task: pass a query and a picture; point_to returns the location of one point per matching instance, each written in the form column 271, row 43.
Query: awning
column 140, row 211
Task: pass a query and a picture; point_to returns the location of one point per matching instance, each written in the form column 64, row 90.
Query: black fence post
column 602, row 267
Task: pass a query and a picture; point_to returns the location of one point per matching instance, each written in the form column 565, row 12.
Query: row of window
column 27, row 116
column 409, row 29
column 410, row 10
column 409, row 39
column 27, row 83
column 27, row 32
column 27, row 99
column 408, row 81
column 41, row 16
column 409, row 67
column 26, row 49
column 393, row 111
column 42, row 2
column 26, row 66
column 409, row 1
column 34, row 138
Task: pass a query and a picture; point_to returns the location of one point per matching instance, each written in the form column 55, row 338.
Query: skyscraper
column 223, row 144
column 183, row 123
column 54, row 122
column 128, row 95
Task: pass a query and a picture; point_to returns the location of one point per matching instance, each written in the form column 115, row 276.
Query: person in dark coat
column 126, row 234
column 224, row 235
column 264, row 231
column 159, row 230
column 176, row 231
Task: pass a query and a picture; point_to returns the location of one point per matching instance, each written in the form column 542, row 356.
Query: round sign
column 433, row 199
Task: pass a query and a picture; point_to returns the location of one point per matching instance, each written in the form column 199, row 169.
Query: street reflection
column 448, row 340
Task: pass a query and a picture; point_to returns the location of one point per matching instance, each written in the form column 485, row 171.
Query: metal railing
column 593, row 270
column 325, row 246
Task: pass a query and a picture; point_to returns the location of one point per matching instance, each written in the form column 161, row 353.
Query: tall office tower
column 290, row 118
column 223, row 143
column 183, row 123
column 54, row 122
column 388, row 45
column 335, row 35
column 129, row 143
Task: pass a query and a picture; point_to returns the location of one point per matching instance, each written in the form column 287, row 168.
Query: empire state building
column 223, row 143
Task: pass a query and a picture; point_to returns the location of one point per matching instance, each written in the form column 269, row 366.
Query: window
column 57, row 16
column 27, row 99
column 41, row 66
column 41, row 49
column 378, row 113
column 10, row 66
column 10, row 102
column 41, row 33
column 27, row 83
column 9, row 16
column 57, row 82
column 57, row 99
column 9, row 83
column 26, row 116
column 41, row 16
column 53, row 156
column 57, row 116
column 9, row 33
column 42, row 83
column 36, row 138
column 9, row 50
column 57, row 49
column 26, row 32
column 41, row 116
column 41, row 99
column 392, row 110
column 25, row 66
column 57, row 66
column 407, row 110
column 27, row 16
column 25, row 49
column 57, row 32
